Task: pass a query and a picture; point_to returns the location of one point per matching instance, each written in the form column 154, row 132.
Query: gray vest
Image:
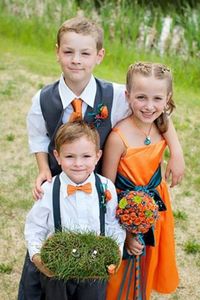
column 52, row 111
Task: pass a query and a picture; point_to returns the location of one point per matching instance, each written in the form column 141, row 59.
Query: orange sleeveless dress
column 138, row 165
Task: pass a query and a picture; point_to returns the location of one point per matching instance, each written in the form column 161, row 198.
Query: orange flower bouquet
column 137, row 212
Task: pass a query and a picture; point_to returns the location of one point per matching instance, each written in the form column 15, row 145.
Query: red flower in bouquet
column 137, row 212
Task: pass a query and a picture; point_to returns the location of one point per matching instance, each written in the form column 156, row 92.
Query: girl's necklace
column 147, row 140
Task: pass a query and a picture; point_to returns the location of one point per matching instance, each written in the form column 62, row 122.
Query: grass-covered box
column 80, row 255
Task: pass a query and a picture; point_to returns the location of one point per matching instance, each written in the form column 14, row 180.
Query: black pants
column 35, row 286
column 73, row 289
column 30, row 285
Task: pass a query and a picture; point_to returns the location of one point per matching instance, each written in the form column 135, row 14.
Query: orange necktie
column 77, row 113
column 87, row 188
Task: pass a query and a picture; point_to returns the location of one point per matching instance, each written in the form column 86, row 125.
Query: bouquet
column 80, row 255
column 137, row 212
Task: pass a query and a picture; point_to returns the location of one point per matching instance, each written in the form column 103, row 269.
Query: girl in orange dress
column 133, row 154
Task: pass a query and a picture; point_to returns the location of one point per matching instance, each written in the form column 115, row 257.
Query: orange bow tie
column 71, row 189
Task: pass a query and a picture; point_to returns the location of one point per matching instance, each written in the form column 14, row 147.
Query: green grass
column 180, row 215
column 192, row 247
column 5, row 268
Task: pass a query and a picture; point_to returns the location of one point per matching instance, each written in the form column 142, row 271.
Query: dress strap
column 121, row 135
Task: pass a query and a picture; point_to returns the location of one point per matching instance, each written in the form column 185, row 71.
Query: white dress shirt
column 37, row 133
column 79, row 211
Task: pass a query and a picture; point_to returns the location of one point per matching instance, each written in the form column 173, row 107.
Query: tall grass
column 132, row 32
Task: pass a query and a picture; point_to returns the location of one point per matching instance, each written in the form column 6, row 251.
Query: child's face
column 78, row 55
column 147, row 98
column 78, row 159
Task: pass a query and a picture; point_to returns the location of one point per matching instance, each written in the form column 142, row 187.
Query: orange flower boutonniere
column 108, row 195
column 103, row 112
column 100, row 114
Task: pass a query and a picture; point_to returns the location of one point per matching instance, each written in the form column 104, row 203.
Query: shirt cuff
column 33, row 249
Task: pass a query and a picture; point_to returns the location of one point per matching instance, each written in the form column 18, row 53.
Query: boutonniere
column 107, row 195
column 100, row 114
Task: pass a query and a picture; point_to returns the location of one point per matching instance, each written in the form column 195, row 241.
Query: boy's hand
column 175, row 168
column 41, row 267
column 37, row 190
column 112, row 269
column 133, row 246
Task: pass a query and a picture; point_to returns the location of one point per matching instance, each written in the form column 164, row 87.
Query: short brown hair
column 159, row 71
column 72, row 131
column 84, row 26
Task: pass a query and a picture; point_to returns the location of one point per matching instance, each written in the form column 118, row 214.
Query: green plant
column 192, row 247
column 5, row 268
column 180, row 215
column 10, row 137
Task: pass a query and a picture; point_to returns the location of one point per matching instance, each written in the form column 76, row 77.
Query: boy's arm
column 38, row 143
column 176, row 165
column 44, row 174
column 36, row 231
column 40, row 266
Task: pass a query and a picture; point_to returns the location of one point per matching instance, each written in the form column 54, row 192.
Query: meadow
column 24, row 68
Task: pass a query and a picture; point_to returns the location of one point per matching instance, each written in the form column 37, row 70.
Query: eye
column 140, row 97
column 68, row 52
column 87, row 155
column 158, row 98
column 68, row 156
column 86, row 53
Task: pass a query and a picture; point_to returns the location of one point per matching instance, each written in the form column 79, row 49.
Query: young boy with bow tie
column 77, row 151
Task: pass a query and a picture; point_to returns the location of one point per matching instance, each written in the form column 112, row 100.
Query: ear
column 57, row 52
column 57, row 156
column 127, row 95
column 100, row 55
column 99, row 154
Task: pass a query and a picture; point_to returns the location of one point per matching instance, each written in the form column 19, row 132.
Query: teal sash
column 125, row 185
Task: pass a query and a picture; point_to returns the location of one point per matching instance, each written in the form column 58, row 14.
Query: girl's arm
column 176, row 165
column 113, row 150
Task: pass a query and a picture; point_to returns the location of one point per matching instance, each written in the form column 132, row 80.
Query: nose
column 149, row 105
column 78, row 162
column 76, row 58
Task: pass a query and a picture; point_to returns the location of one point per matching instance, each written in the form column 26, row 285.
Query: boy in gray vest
column 102, row 104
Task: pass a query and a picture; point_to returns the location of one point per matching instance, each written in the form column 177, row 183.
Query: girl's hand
column 40, row 266
column 133, row 246
column 37, row 190
column 175, row 168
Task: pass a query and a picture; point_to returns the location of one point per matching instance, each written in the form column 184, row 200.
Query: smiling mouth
column 148, row 114
column 75, row 70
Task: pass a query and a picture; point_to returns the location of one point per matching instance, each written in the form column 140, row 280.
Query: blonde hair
column 83, row 26
column 159, row 71
column 72, row 131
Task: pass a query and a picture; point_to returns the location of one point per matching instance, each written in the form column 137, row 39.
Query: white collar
column 67, row 95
